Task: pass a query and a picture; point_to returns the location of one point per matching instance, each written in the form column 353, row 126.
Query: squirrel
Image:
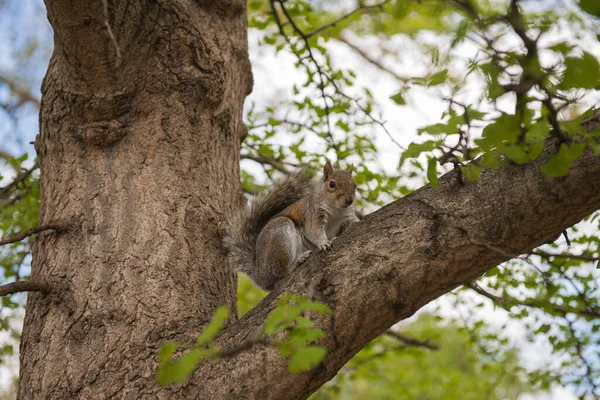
column 280, row 230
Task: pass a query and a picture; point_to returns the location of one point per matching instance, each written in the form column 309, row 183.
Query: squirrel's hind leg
column 278, row 247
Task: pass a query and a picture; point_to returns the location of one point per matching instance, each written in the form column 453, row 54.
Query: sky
column 272, row 75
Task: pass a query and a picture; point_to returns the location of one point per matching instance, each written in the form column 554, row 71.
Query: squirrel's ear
column 351, row 169
column 327, row 170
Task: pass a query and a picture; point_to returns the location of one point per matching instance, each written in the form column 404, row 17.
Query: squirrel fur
column 278, row 231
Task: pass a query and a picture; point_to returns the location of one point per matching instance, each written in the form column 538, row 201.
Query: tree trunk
column 139, row 160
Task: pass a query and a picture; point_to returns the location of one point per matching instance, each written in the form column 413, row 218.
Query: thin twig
column 557, row 130
column 539, row 253
column 9, row 201
column 29, row 232
column 371, row 60
column 507, row 302
column 412, row 341
column 498, row 250
column 547, row 255
column 300, row 59
column 322, row 75
column 262, row 159
column 360, row 8
column 579, row 347
column 20, row 178
column 24, row 286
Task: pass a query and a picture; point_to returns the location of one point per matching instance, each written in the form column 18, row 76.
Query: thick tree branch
column 410, row 252
column 23, row 286
column 28, row 233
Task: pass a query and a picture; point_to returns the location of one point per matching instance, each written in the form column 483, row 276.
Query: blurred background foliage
column 404, row 90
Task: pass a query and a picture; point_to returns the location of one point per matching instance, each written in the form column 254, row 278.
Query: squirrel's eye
column 332, row 184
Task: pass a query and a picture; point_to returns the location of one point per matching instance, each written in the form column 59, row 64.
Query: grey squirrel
column 279, row 230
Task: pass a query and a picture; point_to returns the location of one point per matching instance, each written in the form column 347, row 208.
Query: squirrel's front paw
column 325, row 246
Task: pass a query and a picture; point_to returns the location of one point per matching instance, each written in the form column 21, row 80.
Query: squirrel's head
column 339, row 186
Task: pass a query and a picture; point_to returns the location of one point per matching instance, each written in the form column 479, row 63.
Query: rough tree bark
column 139, row 162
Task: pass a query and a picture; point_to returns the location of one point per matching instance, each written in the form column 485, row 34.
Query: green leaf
column 432, row 172
column 304, row 304
column 581, row 73
column 179, row 370
column 461, row 33
column 438, row 78
column 315, row 306
column 306, row 335
column 415, row 149
column 343, row 125
column 573, row 126
column 471, row 172
column 539, row 131
column 166, row 351
column 505, row 128
column 474, row 114
column 400, row 9
column 398, row 98
column 517, row 153
column 298, row 339
column 535, row 149
column 590, row 6
column 560, row 163
column 276, row 321
column 562, row 47
column 306, row 358
column 303, row 323
column 491, row 72
column 217, row 323
column 438, row 128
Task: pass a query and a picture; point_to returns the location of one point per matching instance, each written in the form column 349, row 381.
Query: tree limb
column 23, row 286
column 403, row 256
column 29, row 232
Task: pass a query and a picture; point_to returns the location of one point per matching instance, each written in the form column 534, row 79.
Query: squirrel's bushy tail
column 247, row 222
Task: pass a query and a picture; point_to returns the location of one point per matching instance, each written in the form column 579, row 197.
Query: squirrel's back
column 247, row 222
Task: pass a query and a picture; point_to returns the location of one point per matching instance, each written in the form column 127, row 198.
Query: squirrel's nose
column 349, row 201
